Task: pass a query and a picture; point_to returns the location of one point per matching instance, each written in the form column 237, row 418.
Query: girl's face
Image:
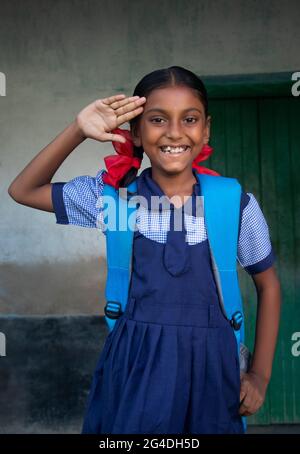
column 172, row 116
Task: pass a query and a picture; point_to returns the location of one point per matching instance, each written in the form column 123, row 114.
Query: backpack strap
column 117, row 215
column 222, row 198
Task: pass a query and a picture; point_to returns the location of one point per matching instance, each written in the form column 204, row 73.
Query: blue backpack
column 222, row 196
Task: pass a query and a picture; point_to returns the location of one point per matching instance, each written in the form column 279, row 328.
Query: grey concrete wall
column 60, row 56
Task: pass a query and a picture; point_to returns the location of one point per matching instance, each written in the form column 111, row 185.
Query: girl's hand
column 103, row 115
column 252, row 393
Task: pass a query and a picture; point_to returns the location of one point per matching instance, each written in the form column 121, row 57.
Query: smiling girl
column 170, row 364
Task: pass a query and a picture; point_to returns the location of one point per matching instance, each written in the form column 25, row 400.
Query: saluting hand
column 103, row 115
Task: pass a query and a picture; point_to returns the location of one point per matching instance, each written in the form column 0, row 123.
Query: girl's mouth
column 176, row 151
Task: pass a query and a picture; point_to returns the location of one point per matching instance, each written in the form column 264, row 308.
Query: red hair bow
column 204, row 154
column 118, row 166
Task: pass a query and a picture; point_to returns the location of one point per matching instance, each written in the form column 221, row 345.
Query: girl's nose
column 174, row 131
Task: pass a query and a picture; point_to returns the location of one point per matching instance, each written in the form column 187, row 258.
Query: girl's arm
column 267, row 321
column 255, row 382
column 32, row 186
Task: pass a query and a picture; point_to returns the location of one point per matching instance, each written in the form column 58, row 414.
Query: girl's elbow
column 11, row 191
column 40, row 198
column 15, row 193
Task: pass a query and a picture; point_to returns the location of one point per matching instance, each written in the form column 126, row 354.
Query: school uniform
column 170, row 365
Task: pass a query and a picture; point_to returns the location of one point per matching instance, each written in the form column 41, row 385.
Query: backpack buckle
column 113, row 309
column 236, row 320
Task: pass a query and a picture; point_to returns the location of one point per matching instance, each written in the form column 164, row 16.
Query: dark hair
column 161, row 78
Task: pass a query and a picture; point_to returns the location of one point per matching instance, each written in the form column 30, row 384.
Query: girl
column 170, row 364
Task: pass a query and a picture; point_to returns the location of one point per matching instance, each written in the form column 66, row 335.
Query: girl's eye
column 153, row 120
column 158, row 118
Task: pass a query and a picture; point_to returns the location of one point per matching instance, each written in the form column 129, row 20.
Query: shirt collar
column 147, row 187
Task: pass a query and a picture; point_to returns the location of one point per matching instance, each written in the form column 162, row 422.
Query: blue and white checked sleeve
column 255, row 251
column 79, row 202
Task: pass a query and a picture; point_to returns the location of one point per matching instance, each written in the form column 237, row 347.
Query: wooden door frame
column 249, row 85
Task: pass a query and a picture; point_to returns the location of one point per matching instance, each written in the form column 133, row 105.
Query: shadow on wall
column 47, row 372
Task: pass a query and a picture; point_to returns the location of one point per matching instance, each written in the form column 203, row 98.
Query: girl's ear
column 207, row 129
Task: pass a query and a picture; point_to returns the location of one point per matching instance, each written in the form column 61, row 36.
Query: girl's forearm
column 267, row 326
column 43, row 166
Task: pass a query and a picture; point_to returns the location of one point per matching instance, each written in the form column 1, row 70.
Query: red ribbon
column 204, row 154
column 118, row 165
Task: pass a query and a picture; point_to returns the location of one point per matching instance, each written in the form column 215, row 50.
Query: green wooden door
column 256, row 138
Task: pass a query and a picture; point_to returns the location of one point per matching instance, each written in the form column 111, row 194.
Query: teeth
column 174, row 149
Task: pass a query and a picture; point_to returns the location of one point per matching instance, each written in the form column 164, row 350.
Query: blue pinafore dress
column 170, row 365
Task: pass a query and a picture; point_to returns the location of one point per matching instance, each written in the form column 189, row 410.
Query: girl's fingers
column 124, row 109
column 250, row 403
column 130, row 106
column 109, row 137
column 129, row 115
column 112, row 99
column 124, row 102
column 243, row 390
column 115, row 103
